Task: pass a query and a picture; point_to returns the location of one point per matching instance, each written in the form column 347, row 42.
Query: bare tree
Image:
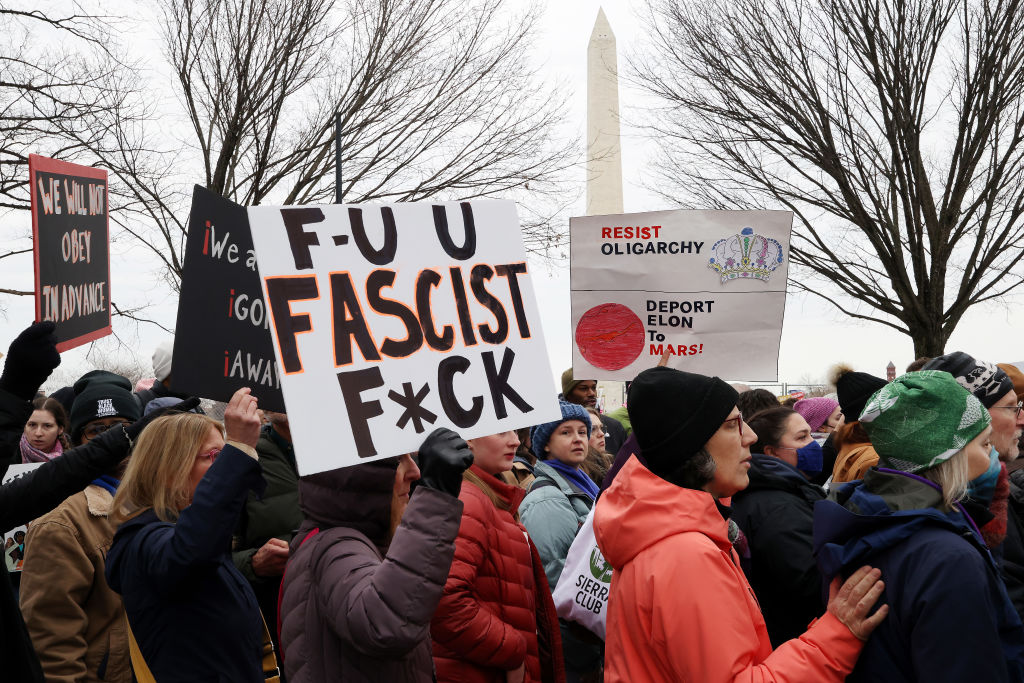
column 436, row 98
column 892, row 129
column 60, row 85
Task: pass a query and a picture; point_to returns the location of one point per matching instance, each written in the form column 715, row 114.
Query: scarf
column 31, row 454
column 994, row 531
column 575, row 476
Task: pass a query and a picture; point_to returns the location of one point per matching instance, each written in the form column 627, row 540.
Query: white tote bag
column 581, row 594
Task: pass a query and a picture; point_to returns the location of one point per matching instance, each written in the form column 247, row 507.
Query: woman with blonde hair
column 191, row 612
column 496, row 621
column 905, row 518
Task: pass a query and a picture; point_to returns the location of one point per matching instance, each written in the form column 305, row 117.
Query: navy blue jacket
column 193, row 614
column 950, row 618
column 776, row 514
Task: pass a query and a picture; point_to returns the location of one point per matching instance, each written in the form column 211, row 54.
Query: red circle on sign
column 610, row 336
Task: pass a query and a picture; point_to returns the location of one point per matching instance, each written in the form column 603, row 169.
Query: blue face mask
column 984, row 487
column 809, row 458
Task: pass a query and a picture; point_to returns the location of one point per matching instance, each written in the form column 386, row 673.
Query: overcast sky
column 815, row 335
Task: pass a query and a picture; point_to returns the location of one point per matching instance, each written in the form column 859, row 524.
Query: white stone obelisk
column 604, row 152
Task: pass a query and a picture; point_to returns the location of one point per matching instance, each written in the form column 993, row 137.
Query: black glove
column 30, row 360
column 114, row 439
column 444, row 456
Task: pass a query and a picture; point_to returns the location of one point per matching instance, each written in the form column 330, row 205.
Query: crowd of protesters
column 874, row 534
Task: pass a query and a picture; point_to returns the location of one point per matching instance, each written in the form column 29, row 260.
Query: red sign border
column 36, row 163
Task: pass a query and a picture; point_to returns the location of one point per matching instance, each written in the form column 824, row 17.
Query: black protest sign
column 222, row 341
column 71, row 246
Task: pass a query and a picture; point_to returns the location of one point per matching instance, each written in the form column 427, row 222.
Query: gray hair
column 696, row 472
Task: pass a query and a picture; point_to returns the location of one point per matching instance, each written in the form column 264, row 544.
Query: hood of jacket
column 357, row 497
column 865, row 517
column 771, row 474
column 640, row 509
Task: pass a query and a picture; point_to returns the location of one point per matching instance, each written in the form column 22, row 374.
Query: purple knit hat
column 815, row 410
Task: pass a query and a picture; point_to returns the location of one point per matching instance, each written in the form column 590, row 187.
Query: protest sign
column 706, row 287
column 392, row 320
column 14, row 539
column 222, row 338
column 71, row 247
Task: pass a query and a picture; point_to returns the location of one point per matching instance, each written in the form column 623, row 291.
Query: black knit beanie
column 986, row 381
column 674, row 413
column 100, row 394
column 853, row 390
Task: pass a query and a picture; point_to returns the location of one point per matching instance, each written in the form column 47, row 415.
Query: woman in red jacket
column 496, row 621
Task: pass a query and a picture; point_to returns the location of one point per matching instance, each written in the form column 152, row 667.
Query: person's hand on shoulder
column 443, row 457
column 852, row 602
column 241, row 418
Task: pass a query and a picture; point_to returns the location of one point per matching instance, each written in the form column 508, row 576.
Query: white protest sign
column 392, row 320
column 708, row 287
column 14, row 539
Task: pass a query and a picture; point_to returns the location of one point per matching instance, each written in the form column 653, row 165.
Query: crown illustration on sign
column 746, row 255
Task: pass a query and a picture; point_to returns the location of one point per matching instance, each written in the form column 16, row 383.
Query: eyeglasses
column 738, row 420
column 212, row 455
column 95, row 430
column 1017, row 409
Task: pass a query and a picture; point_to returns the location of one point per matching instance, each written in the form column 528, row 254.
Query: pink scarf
column 30, row 454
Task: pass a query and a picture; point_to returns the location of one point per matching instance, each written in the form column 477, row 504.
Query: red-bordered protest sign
column 71, row 249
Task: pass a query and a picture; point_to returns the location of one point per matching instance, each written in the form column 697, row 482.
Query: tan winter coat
column 75, row 620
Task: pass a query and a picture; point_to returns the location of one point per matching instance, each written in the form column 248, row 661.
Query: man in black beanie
column 103, row 400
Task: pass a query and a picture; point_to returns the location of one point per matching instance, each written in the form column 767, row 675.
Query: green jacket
column 622, row 415
column 277, row 514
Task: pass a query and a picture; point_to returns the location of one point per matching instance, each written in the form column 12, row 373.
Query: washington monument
column 604, row 153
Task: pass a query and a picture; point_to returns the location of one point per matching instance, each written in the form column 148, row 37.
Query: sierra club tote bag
column 581, row 594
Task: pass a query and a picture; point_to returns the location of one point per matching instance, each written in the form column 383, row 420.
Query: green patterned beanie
column 922, row 419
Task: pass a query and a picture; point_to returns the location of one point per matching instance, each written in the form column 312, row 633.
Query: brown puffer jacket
column 353, row 609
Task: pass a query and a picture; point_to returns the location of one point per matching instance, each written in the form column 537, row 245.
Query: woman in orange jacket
column 680, row 607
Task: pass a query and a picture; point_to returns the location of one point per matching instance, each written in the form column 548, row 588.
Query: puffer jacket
column 353, row 607
column 776, row 513
column 681, row 609
column 944, row 592
column 496, row 612
column 75, row 620
column 32, row 496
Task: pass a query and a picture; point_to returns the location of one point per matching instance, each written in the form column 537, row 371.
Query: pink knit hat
column 815, row 410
